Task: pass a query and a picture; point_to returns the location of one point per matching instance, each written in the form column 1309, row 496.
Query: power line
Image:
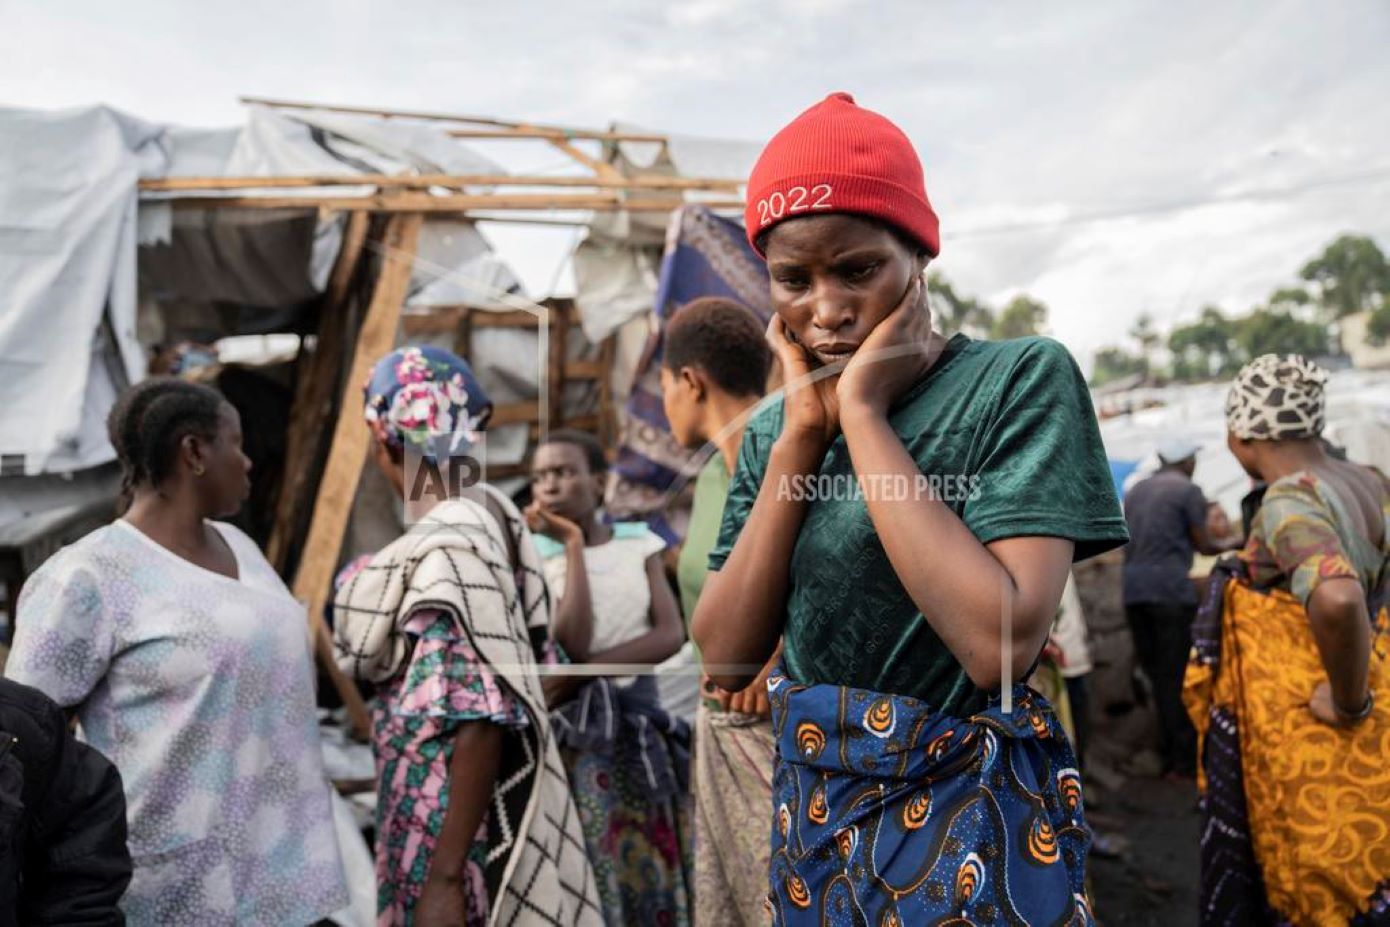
column 1178, row 205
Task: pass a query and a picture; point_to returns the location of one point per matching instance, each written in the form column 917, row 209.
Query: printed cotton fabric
column 456, row 561
column 1297, row 812
column 890, row 814
column 629, row 766
column 415, row 719
column 733, row 792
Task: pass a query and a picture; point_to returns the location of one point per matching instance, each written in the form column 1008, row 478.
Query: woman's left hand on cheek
column 892, row 358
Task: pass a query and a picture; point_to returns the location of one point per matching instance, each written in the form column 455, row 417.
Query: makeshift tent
column 337, row 224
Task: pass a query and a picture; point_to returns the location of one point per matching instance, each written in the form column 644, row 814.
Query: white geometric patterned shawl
column 456, row 560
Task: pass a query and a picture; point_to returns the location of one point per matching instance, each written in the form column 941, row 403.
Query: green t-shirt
column 711, row 486
column 1005, row 433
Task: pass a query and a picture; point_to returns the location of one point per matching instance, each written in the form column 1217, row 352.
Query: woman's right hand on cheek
column 544, row 521
column 812, row 408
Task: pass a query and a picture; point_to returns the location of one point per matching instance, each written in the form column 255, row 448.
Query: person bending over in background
column 1167, row 518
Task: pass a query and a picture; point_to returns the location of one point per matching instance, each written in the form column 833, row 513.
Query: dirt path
column 1155, row 883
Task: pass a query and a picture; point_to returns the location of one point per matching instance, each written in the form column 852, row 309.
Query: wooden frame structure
column 382, row 229
column 563, row 316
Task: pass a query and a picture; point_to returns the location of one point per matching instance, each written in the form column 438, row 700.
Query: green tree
column 1351, row 275
column 1205, row 348
column 1147, row 337
column 1021, row 317
column 1115, row 364
column 1378, row 325
column 1290, row 299
column 957, row 313
column 1266, row 331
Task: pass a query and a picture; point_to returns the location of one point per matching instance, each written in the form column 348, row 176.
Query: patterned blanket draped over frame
column 705, row 256
column 1297, row 812
column 889, row 813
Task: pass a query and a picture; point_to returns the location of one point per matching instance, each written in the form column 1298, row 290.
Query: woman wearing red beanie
column 904, row 522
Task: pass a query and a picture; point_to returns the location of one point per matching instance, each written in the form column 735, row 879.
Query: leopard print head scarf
column 1277, row 398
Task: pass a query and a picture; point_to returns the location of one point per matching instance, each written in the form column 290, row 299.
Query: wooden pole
column 607, row 417
column 348, row 451
column 601, row 169
column 526, row 218
column 424, row 202
column 369, row 111
column 503, row 128
column 582, row 135
column 313, row 390
column 559, row 343
column 418, row 181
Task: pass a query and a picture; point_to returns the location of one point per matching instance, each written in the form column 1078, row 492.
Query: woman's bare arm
column 742, row 608
column 1342, row 630
column 473, row 770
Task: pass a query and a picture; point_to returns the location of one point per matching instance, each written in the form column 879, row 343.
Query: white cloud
column 1023, row 114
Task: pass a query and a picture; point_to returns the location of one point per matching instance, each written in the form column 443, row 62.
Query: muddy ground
column 1155, row 880
column 1154, row 884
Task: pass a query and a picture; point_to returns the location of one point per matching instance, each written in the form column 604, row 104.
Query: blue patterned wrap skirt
column 889, row 814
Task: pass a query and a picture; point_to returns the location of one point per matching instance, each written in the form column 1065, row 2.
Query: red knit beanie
column 839, row 157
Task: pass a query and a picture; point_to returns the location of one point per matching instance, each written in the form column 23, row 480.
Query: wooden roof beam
column 502, row 128
column 564, row 135
column 417, row 181
column 423, row 202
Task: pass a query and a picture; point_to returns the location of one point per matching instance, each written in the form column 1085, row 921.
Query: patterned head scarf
column 425, row 399
column 1277, row 399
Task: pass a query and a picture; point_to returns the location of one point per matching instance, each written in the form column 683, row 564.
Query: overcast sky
column 1108, row 158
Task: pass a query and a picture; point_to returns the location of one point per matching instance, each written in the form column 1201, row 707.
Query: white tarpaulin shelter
column 320, row 222
column 68, row 279
column 71, row 219
column 74, row 328
column 1358, row 419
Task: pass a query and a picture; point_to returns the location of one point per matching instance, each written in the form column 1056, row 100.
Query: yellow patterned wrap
column 1318, row 797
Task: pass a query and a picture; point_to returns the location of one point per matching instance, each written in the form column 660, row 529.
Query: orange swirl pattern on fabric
column 916, row 810
column 845, row 841
column 811, row 740
column 939, row 745
column 797, row 892
column 1069, row 786
column 878, row 719
column 1318, row 797
column 1042, row 841
column 971, row 874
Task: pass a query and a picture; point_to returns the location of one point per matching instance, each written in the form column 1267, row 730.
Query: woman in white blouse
column 187, row 662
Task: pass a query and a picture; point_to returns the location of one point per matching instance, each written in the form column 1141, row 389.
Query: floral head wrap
column 425, row 399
